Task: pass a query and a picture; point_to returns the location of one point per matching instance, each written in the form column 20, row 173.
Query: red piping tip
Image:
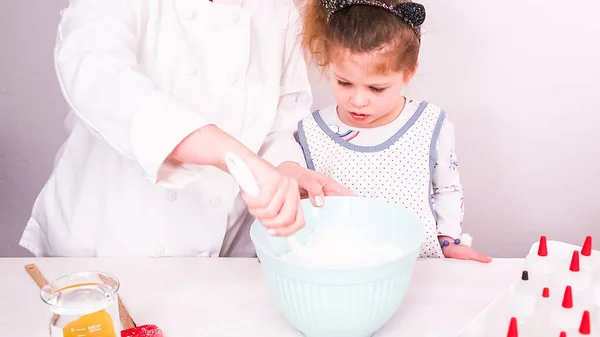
column 513, row 330
column 567, row 302
column 584, row 327
column 587, row 246
column 574, row 261
column 546, row 292
column 543, row 247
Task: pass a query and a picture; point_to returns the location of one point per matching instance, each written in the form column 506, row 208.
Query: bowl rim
column 362, row 269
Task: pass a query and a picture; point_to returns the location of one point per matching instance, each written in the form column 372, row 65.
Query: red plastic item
column 543, row 247
column 587, row 246
column 149, row 330
column 567, row 302
column 584, row 327
column 513, row 330
column 563, row 334
column 574, row 261
column 546, row 293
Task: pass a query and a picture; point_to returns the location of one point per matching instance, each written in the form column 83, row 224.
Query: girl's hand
column 461, row 252
column 313, row 185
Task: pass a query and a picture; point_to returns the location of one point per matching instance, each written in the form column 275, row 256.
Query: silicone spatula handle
column 242, row 174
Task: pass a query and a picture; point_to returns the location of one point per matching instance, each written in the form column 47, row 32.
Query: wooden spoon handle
column 36, row 275
column 124, row 315
column 41, row 282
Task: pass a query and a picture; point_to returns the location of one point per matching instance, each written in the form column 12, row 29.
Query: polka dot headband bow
column 411, row 13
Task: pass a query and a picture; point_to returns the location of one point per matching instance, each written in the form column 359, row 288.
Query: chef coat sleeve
column 99, row 74
column 294, row 102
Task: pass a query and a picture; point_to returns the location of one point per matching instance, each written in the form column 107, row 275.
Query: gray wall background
column 31, row 111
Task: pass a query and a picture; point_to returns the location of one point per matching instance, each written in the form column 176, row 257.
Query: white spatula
column 244, row 177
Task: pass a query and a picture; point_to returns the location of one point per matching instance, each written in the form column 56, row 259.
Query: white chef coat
column 139, row 77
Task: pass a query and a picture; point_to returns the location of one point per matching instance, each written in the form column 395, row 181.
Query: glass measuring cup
column 83, row 304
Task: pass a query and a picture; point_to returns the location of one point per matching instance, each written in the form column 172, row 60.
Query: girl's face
column 365, row 97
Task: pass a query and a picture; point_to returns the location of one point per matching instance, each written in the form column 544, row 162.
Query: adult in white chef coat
column 159, row 91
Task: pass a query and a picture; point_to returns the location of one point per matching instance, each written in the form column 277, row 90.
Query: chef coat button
column 215, row 201
column 192, row 15
column 159, row 250
column 235, row 17
column 172, row 196
column 204, row 254
column 303, row 98
column 192, row 71
column 231, row 78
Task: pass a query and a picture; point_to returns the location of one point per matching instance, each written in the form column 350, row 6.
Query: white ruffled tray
column 494, row 320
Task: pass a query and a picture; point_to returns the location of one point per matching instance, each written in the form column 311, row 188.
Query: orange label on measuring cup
column 98, row 324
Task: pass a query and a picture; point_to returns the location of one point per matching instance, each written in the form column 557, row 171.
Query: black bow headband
column 411, row 13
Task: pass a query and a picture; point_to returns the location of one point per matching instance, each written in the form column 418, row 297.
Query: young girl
column 374, row 140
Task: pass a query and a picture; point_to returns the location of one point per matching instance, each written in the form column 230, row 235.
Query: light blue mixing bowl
column 342, row 302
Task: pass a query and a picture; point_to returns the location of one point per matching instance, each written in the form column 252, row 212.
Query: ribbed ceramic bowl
column 342, row 302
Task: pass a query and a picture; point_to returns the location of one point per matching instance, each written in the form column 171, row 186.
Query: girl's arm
column 448, row 200
column 447, row 188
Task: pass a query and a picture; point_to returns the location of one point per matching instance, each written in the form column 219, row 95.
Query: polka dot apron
column 397, row 171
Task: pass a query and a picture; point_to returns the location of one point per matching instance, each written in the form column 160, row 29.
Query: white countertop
column 228, row 297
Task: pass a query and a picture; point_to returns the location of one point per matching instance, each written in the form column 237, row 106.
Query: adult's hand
column 277, row 206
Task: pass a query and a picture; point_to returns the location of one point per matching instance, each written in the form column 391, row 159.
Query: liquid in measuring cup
column 83, row 305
